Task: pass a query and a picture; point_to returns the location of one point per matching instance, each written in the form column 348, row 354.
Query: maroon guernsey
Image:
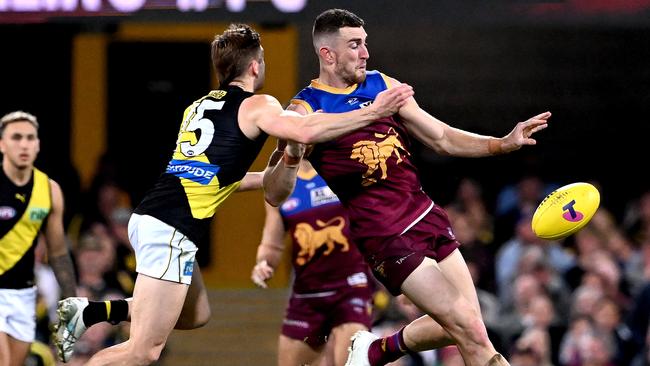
column 324, row 257
column 370, row 169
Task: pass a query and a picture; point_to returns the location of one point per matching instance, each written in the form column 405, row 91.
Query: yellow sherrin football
column 565, row 211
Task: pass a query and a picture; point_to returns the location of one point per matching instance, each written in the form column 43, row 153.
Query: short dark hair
column 233, row 50
column 17, row 116
column 330, row 21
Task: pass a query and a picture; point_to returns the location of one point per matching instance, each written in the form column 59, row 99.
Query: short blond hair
column 17, row 116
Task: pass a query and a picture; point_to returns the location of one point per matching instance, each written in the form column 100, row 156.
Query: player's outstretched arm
column 269, row 252
column 267, row 115
column 448, row 140
column 59, row 257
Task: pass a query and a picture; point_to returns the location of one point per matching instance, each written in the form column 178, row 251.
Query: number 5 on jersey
column 187, row 142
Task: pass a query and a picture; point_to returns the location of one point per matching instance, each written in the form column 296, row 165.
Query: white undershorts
column 18, row 313
column 161, row 251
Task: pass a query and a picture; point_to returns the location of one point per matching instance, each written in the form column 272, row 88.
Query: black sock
column 119, row 311
column 113, row 311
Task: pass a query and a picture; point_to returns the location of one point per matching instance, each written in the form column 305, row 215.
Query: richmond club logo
column 570, row 213
column 7, row 213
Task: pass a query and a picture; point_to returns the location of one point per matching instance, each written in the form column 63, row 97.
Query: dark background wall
column 480, row 66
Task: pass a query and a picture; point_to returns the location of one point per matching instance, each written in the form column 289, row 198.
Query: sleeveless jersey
column 211, row 158
column 23, row 211
column 369, row 169
column 323, row 255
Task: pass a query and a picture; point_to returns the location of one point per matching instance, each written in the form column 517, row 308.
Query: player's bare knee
column 203, row 318
column 478, row 333
column 471, row 325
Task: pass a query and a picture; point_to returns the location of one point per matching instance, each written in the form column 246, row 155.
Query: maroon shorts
column 392, row 259
column 311, row 317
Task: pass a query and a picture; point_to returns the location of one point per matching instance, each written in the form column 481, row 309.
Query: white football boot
column 358, row 355
column 70, row 327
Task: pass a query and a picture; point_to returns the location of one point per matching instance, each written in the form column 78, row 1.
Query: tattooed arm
column 58, row 254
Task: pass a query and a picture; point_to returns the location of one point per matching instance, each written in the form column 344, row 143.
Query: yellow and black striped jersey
column 23, row 211
column 211, row 157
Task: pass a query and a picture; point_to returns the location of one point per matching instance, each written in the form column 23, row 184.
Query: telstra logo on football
column 570, row 213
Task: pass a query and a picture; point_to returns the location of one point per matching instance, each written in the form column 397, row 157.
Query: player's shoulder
column 305, row 92
column 262, row 100
column 258, row 106
column 54, row 185
column 43, row 176
column 389, row 81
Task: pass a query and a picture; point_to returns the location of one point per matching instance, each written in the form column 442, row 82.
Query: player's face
column 19, row 144
column 351, row 55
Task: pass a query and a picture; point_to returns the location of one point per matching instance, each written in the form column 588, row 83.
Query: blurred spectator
column 515, row 202
column 469, row 202
column 474, row 251
column 569, row 353
column 643, row 357
column 95, row 257
column 607, row 320
column 524, row 357
column 637, row 322
column 516, row 318
column 509, row 256
column 637, row 219
column 584, row 300
column 595, row 350
column 630, row 260
column 586, row 242
column 118, row 230
column 536, row 342
column 602, row 272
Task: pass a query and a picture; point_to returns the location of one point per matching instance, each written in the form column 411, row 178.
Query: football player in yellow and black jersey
column 30, row 204
column 220, row 136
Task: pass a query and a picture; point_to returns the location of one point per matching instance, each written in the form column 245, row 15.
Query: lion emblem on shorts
column 311, row 239
column 375, row 154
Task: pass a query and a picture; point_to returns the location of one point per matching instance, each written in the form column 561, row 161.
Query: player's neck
column 18, row 176
column 331, row 79
column 246, row 85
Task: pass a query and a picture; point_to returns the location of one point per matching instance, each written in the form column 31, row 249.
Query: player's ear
column 254, row 67
column 326, row 54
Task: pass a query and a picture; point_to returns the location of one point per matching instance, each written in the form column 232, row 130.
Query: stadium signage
column 92, row 7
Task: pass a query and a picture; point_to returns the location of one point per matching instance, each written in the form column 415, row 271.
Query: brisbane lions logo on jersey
column 374, row 154
column 310, row 239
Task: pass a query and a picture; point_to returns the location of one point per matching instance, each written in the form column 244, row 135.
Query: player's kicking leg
column 156, row 307
column 458, row 314
column 455, row 292
column 76, row 314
